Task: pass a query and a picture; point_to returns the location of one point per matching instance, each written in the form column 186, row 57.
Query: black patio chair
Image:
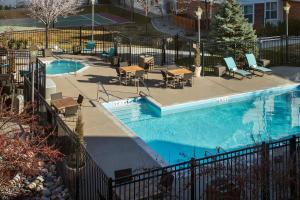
column 167, row 80
column 71, row 112
column 187, row 78
column 121, row 76
column 139, row 75
column 80, row 100
column 56, row 96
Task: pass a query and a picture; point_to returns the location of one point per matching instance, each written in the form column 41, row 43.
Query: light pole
column 93, row 18
column 199, row 15
column 287, row 8
column 198, row 66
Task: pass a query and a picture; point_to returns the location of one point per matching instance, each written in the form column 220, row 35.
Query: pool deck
column 109, row 143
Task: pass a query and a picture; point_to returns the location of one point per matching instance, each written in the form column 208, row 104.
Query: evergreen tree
column 231, row 28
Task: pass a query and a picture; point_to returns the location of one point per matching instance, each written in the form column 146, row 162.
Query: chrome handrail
column 145, row 85
column 103, row 90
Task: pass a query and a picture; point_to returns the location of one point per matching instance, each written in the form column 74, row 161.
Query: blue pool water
column 63, row 67
column 228, row 123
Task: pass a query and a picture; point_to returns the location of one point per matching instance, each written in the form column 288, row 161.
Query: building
column 258, row 12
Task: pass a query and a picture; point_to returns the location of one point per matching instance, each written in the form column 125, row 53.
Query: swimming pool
column 60, row 67
column 180, row 132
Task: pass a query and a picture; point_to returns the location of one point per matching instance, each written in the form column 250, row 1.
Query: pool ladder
column 101, row 89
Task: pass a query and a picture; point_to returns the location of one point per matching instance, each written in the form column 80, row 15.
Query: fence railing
column 266, row 171
column 81, row 174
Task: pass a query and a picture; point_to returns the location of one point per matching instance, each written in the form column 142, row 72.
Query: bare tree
column 47, row 11
column 147, row 5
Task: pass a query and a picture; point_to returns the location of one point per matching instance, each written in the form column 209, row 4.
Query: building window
column 249, row 13
column 271, row 10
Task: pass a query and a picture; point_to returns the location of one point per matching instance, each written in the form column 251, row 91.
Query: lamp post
column 198, row 65
column 287, row 8
column 93, row 18
column 199, row 15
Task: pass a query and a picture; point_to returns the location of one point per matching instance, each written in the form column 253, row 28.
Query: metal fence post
column 130, row 53
column 103, row 39
column 190, row 53
column 202, row 57
column 265, row 171
column 77, row 172
column 281, row 49
column 110, row 189
column 193, row 178
column 163, row 52
column 287, row 49
column 176, row 47
column 293, row 167
column 80, row 36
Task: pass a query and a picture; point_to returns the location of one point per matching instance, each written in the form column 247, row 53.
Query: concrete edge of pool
column 107, row 106
column 155, row 156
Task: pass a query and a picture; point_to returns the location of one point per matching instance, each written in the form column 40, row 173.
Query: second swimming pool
column 180, row 132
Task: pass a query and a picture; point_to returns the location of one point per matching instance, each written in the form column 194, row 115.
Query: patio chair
column 168, row 80
column 232, row 68
column 252, row 65
column 121, row 76
column 123, row 64
column 89, row 47
column 71, row 111
column 80, row 100
column 187, row 78
column 109, row 54
column 139, row 75
column 123, row 175
column 56, row 96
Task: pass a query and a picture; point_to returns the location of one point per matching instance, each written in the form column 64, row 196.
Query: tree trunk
column 46, row 36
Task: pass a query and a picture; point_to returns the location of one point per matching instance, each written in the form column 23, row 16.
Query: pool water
column 58, row 67
column 225, row 125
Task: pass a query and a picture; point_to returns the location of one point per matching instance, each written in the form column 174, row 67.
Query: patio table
column 61, row 104
column 131, row 69
column 178, row 72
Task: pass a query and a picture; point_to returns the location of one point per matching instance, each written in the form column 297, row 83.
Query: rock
column 46, row 192
column 44, row 171
column 39, row 187
column 32, row 186
column 40, row 179
column 45, row 198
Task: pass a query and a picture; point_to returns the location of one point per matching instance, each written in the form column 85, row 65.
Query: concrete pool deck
column 108, row 142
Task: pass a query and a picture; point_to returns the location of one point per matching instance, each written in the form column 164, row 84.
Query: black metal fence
column 81, row 174
column 266, row 171
column 14, row 61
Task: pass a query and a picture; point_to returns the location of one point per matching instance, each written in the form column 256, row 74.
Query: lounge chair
column 109, row 54
column 252, row 64
column 90, row 47
column 232, row 68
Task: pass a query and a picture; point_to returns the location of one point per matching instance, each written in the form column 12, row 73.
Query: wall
column 295, row 10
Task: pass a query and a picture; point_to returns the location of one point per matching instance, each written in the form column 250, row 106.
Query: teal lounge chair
column 109, row 54
column 90, row 47
column 232, row 68
column 252, row 64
